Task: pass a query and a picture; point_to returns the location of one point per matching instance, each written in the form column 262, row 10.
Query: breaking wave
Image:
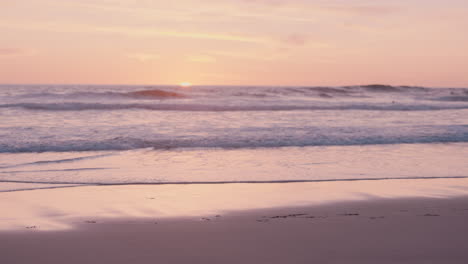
column 453, row 98
column 240, row 139
column 252, row 92
column 140, row 94
column 78, row 106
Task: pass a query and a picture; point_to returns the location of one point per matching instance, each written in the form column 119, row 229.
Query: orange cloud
column 367, row 10
column 296, row 39
column 143, row 56
column 12, row 51
column 202, row 58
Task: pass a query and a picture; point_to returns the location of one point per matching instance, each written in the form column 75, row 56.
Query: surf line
column 232, row 182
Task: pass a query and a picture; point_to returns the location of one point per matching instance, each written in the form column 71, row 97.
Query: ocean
column 54, row 136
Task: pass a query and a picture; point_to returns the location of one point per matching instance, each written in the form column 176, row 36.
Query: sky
column 235, row 42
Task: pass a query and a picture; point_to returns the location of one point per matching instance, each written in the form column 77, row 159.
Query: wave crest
column 155, row 93
column 327, row 137
column 78, row 106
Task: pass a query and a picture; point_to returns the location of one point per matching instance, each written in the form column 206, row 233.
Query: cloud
column 329, row 6
column 266, row 2
column 143, row 57
column 11, row 51
column 367, row 10
column 296, row 39
column 130, row 31
column 212, row 36
column 263, row 56
column 202, row 58
column 301, row 39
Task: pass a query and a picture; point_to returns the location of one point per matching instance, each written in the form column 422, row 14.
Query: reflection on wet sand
column 58, row 209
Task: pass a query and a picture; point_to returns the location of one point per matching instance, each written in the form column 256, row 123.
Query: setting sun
column 185, row 84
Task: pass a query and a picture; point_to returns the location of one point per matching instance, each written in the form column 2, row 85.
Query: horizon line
column 230, row 85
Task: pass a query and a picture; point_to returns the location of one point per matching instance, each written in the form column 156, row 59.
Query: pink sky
column 228, row 42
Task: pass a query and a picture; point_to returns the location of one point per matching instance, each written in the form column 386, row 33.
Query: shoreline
column 57, row 209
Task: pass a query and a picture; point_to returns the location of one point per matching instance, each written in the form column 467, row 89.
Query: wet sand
column 354, row 222
column 379, row 231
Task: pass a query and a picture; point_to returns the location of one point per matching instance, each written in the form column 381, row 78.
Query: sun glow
column 185, row 84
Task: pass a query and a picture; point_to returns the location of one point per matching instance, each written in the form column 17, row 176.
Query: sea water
column 60, row 135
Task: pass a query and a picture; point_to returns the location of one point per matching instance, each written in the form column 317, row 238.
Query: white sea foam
column 246, row 138
column 76, row 106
